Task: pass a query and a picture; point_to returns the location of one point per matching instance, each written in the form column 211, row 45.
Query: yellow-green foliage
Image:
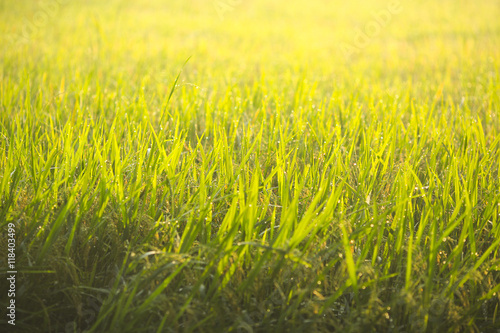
column 260, row 166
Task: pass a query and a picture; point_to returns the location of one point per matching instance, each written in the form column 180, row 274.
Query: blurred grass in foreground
column 281, row 184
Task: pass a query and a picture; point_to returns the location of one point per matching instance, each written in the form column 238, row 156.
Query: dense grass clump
column 270, row 183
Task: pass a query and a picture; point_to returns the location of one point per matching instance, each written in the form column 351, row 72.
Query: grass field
column 250, row 166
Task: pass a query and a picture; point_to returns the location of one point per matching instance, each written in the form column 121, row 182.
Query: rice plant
column 227, row 166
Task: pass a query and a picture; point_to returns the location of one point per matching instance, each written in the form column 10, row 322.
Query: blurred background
column 251, row 37
column 373, row 46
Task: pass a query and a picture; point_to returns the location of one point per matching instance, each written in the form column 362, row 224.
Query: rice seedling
column 164, row 170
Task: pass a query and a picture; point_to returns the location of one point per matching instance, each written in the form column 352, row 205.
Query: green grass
column 168, row 169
